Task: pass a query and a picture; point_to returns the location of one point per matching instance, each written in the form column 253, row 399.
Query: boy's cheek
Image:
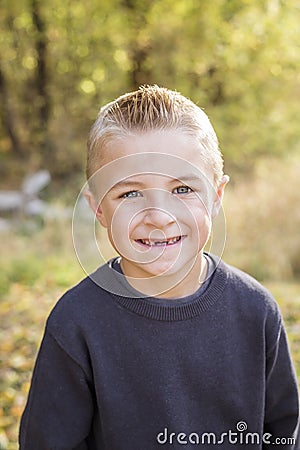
column 202, row 208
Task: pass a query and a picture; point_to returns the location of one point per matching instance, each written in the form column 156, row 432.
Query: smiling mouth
column 157, row 243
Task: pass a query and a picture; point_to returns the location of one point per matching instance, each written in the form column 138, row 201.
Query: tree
column 61, row 62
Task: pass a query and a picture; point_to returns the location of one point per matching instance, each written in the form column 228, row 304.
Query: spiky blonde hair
column 153, row 108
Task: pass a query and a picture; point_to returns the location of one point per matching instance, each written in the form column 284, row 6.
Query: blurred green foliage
column 60, row 61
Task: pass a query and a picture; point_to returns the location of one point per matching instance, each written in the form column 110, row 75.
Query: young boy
column 165, row 345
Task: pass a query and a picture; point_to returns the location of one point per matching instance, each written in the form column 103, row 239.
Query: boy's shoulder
column 242, row 280
column 249, row 293
column 83, row 301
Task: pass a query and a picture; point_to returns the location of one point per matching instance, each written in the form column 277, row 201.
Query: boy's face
column 157, row 203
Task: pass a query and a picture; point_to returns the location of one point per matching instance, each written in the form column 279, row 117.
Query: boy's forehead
column 172, row 142
column 144, row 166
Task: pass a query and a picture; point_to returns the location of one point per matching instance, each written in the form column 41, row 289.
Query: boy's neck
column 182, row 284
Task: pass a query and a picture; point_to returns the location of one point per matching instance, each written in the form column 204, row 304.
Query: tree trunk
column 137, row 50
column 43, row 104
column 8, row 118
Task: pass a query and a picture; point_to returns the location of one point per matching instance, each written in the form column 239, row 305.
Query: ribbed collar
column 171, row 310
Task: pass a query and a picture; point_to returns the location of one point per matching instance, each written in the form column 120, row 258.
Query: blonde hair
column 153, row 108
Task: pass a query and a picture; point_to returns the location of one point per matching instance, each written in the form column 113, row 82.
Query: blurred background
column 59, row 62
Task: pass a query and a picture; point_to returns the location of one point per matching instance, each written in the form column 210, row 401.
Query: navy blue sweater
column 118, row 372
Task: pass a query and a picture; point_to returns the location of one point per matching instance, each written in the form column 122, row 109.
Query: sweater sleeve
column 282, row 402
column 59, row 409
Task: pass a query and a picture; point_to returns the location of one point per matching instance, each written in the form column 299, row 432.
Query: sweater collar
column 168, row 310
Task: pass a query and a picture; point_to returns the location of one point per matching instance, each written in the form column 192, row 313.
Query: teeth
column 159, row 243
column 145, row 241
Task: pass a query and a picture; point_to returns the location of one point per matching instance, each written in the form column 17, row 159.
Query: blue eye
column 131, row 194
column 182, row 190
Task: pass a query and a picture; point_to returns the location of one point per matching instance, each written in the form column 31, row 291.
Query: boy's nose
column 160, row 208
column 158, row 217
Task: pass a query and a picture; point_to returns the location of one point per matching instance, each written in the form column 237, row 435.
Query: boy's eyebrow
column 129, row 183
column 126, row 183
column 187, row 178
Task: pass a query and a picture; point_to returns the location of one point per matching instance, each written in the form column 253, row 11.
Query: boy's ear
column 93, row 204
column 219, row 195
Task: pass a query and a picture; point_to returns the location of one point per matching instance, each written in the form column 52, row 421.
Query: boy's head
column 156, row 180
column 153, row 108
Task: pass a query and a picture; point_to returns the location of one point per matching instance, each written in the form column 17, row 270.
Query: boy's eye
column 182, row 190
column 131, row 194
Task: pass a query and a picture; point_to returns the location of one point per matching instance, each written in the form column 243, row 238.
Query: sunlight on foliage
column 237, row 59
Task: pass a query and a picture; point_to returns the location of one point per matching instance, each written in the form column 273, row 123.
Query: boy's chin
column 162, row 270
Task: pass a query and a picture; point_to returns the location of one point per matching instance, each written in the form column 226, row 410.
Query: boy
column 165, row 345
